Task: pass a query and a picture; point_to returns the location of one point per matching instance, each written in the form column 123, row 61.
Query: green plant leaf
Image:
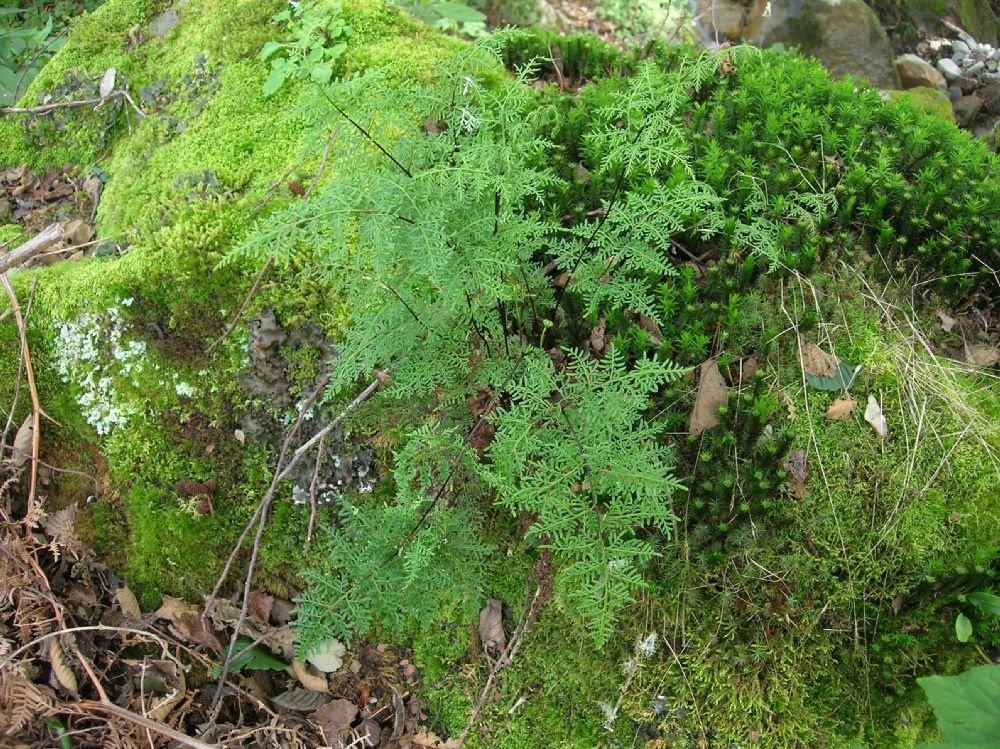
column 840, row 381
column 257, row 658
column 336, row 50
column 986, row 602
column 269, row 49
column 457, row 12
column 963, row 628
column 274, row 80
column 322, row 73
column 967, row 707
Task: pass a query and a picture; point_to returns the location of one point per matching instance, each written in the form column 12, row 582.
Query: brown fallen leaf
column 333, row 718
column 981, row 356
column 491, row 632
column 128, row 603
column 796, row 463
column 712, row 395
column 748, row 368
column 816, row 362
column 598, row 341
column 193, row 628
column 22, row 442
column 259, row 606
column 300, row 700
column 840, row 409
column 652, row 328
column 171, row 607
column 77, row 232
column 61, row 668
column 309, row 677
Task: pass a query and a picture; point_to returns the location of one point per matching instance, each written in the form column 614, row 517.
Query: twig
column 151, row 725
column 46, row 108
column 36, row 409
column 260, row 517
column 312, row 497
column 505, row 659
column 42, row 241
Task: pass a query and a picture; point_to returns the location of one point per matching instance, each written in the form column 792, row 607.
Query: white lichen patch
column 98, row 356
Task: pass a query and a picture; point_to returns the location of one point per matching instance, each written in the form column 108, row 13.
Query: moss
column 10, row 233
column 929, row 100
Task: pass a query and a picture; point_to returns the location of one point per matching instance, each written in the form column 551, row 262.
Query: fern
column 575, row 451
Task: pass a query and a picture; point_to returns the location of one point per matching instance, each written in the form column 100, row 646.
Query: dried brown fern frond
column 21, row 702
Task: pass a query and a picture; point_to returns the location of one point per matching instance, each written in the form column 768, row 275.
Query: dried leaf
column 301, row 700
column 173, row 677
column 712, row 395
column 875, row 417
column 334, row 717
column 427, row 738
column 240, row 436
column 59, row 528
column 128, row 602
column 947, row 323
column 259, row 606
column 311, row 680
column 597, row 337
column 172, row 607
column 61, row 668
column 824, row 371
column 981, row 356
column 816, row 362
column 77, row 232
column 796, row 463
column 194, row 629
column 108, row 82
column 840, row 409
column 329, row 656
column 22, row 442
column 491, row 632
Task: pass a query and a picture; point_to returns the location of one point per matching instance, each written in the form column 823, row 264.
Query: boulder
column 966, row 109
column 915, row 71
column 845, row 35
column 990, row 94
column 974, row 16
column 931, row 100
column 728, row 20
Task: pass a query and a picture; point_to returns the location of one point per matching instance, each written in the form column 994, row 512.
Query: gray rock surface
column 949, row 68
column 915, row 71
column 990, row 95
column 966, row 109
column 845, row 35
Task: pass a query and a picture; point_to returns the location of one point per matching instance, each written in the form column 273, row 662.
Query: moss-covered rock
column 926, row 99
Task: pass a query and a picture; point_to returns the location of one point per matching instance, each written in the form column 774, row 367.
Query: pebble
column 966, row 109
column 955, row 92
column 949, row 68
column 960, row 47
column 973, row 69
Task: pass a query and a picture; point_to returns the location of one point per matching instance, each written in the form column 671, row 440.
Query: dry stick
column 312, row 498
column 36, row 409
column 150, row 725
column 46, row 108
column 279, row 475
column 505, row 659
column 270, row 258
column 42, row 241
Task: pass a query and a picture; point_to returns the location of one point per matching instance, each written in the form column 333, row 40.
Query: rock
column 915, row 71
column 845, row 35
column 968, row 84
column 975, row 68
column 990, row 94
column 974, row 16
column 966, row 109
column 164, row 23
column 949, row 68
column 729, row 20
column 955, row 92
column 959, row 49
column 6, row 211
column 931, row 100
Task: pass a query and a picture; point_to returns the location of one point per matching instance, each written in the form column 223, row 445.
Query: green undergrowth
column 574, row 253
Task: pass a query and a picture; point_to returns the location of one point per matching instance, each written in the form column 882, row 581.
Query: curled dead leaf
column 333, row 718
column 60, row 666
column 22, row 442
column 309, row 677
column 816, row 362
column 128, row 603
column 491, row 632
column 947, row 323
column 981, row 356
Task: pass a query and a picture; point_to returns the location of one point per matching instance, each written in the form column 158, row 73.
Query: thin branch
column 151, row 725
column 368, row 136
column 46, row 108
column 40, row 242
